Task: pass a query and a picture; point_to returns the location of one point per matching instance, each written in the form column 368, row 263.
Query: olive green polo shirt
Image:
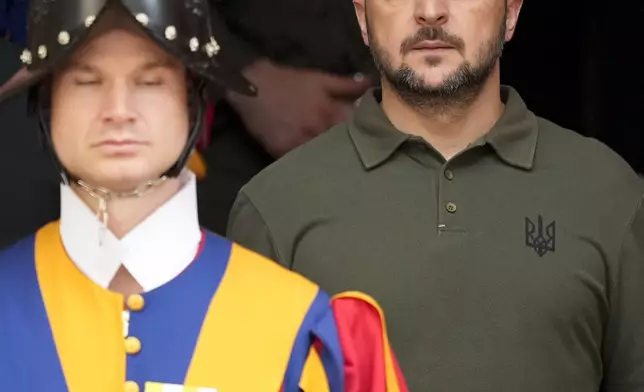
column 516, row 266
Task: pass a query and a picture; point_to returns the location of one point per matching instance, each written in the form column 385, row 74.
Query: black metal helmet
column 186, row 29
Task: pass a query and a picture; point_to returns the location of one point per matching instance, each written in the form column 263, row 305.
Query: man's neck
column 449, row 132
column 124, row 214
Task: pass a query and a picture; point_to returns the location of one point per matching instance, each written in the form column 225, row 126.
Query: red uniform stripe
column 206, row 134
column 365, row 346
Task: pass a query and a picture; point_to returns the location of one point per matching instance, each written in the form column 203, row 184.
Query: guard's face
column 436, row 45
column 120, row 111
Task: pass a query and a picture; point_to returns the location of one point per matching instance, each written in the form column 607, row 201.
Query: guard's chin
column 118, row 178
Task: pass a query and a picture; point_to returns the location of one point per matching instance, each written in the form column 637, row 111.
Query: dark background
column 581, row 66
column 29, row 191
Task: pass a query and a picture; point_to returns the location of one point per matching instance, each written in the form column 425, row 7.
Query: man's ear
column 362, row 19
column 513, row 8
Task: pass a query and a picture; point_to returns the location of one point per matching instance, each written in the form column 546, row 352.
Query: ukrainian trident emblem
column 539, row 237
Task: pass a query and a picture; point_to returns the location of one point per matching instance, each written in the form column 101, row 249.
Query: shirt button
column 131, row 386
column 450, row 207
column 135, row 302
column 449, row 174
column 132, row 345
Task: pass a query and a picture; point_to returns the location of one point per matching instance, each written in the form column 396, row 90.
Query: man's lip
column 428, row 45
column 116, row 142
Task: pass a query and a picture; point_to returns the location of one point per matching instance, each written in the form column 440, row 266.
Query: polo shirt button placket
column 449, row 174
column 449, row 206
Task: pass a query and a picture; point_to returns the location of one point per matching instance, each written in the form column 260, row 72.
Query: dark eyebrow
column 81, row 67
column 164, row 63
column 148, row 66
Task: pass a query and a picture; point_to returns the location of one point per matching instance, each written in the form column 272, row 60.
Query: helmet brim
column 19, row 82
column 69, row 20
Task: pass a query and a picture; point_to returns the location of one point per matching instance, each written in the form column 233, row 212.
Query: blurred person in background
column 310, row 66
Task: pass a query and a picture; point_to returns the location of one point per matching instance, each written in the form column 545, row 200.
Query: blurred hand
column 295, row 105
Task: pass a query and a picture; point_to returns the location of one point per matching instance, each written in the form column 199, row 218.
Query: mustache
column 432, row 34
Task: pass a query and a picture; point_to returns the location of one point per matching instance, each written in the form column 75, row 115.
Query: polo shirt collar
column 513, row 137
column 374, row 136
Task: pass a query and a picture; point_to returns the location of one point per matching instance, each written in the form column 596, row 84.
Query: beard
column 458, row 89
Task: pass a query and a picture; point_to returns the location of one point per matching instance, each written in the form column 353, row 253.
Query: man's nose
column 431, row 13
column 118, row 104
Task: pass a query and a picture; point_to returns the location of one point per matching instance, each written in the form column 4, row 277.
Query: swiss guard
column 126, row 292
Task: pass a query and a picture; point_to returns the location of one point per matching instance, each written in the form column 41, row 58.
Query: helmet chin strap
column 104, row 195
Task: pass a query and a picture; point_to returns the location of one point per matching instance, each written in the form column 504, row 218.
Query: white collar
column 154, row 252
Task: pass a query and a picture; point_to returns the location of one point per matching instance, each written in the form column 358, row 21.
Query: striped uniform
column 232, row 321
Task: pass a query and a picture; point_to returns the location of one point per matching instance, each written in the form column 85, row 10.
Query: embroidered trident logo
column 538, row 237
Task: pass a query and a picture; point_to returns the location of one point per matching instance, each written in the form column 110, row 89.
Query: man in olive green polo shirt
column 508, row 252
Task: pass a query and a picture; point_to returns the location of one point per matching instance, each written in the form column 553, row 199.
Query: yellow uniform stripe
column 253, row 320
column 79, row 312
column 153, row 387
column 158, row 387
column 314, row 376
column 197, row 165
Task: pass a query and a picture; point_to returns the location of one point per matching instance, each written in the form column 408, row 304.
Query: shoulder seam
column 265, row 223
column 626, row 230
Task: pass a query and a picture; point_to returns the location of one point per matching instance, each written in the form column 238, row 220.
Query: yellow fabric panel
column 197, row 164
column 153, row 387
column 253, row 320
column 314, row 376
column 85, row 319
column 158, row 387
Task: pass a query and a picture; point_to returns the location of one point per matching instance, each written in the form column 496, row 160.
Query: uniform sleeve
column 316, row 363
column 623, row 349
column 349, row 350
column 369, row 362
column 247, row 228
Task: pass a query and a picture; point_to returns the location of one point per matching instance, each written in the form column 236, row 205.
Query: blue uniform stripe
column 170, row 322
column 318, row 324
column 326, row 331
column 27, row 345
